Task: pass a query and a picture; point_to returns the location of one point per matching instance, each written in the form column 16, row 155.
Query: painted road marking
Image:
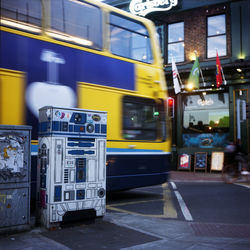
column 183, row 206
column 243, row 185
column 169, row 210
column 173, row 185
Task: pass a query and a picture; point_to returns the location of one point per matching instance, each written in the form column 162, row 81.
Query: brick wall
column 195, row 28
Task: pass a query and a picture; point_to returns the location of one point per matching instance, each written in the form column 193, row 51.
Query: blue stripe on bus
column 34, row 148
column 23, row 54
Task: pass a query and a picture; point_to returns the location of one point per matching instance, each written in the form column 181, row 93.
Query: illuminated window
column 129, row 39
column 206, row 114
column 176, row 42
column 216, row 36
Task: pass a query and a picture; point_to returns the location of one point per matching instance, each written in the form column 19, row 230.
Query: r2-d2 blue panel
column 72, row 162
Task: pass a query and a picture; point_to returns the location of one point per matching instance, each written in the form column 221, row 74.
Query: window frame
column 23, row 25
column 207, row 110
column 149, row 41
column 216, row 35
column 64, row 36
column 146, row 102
column 175, row 42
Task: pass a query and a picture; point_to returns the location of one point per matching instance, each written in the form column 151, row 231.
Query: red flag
column 218, row 71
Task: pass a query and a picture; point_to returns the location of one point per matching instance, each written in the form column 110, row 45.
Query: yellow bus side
column 12, row 106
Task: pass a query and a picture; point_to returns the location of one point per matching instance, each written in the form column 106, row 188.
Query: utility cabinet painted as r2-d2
column 71, row 163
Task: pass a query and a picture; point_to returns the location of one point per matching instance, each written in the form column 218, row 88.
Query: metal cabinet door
column 14, row 207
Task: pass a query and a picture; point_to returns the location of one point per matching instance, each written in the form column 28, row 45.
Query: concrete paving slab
column 99, row 235
column 154, row 226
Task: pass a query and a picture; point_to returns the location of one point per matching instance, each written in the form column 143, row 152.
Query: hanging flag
column 194, row 76
column 177, row 88
column 218, row 71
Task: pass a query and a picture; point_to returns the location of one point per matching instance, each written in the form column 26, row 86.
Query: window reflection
column 216, row 25
column 176, row 42
column 129, row 39
column 68, row 23
column 216, row 39
column 209, row 114
column 25, row 11
column 176, row 50
column 140, row 118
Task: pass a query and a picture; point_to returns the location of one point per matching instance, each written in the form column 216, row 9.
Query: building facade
column 207, row 117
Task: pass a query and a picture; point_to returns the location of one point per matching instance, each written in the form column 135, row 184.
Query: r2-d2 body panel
column 71, row 162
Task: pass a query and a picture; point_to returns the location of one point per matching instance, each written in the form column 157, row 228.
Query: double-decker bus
column 89, row 55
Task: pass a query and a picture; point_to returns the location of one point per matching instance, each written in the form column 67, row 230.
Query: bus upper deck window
column 76, row 22
column 24, row 15
column 130, row 39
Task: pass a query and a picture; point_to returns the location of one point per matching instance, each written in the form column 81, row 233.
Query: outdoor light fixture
column 190, row 86
column 241, row 56
column 239, row 70
column 193, row 55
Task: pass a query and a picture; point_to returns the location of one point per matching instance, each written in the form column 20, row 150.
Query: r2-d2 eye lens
column 78, row 118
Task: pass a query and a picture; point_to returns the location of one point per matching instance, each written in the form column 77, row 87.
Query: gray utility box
column 14, row 177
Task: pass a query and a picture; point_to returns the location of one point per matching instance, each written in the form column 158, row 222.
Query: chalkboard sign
column 217, row 161
column 200, row 161
column 184, row 161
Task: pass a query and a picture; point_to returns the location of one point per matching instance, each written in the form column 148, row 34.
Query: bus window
column 140, row 118
column 82, row 21
column 129, row 39
column 26, row 11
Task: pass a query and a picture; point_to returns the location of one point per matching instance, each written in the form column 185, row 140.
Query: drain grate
column 221, row 230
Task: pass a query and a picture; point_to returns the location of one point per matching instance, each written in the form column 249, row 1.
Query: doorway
column 241, row 94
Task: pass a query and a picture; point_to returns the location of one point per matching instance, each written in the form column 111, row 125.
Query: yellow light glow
column 192, row 57
column 239, row 70
column 210, row 128
column 190, row 86
column 204, row 93
column 241, row 56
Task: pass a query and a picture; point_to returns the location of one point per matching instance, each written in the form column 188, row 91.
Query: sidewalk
column 131, row 232
column 195, row 176
column 125, row 231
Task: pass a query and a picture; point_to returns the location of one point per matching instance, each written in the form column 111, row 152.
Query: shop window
column 176, row 42
column 68, row 23
column 216, row 36
column 140, row 118
column 205, row 120
column 206, row 114
column 129, row 39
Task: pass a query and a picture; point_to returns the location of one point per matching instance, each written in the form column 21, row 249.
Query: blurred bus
column 89, row 55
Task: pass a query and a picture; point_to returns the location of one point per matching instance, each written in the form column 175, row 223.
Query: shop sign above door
column 144, row 7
